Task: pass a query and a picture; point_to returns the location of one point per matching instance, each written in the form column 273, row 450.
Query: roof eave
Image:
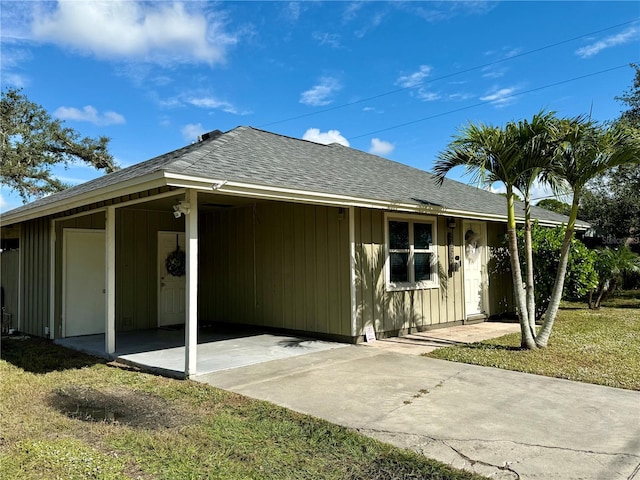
column 134, row 185
column 241, row 189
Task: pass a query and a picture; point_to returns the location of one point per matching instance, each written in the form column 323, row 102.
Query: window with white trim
column 412, row 261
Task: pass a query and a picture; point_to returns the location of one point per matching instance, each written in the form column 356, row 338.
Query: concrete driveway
column 502, row 424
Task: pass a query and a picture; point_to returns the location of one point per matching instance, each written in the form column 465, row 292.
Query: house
column 252, row 227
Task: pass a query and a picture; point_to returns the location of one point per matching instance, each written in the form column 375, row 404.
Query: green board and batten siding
column 401, row 311
column 137, row 265
column 280, row 265
column 273, row 264
column 35, row 249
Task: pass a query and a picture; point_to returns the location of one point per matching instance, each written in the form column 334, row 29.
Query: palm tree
column 584, row 150
column 611, row 265
column 535, row 139
column 491, row 154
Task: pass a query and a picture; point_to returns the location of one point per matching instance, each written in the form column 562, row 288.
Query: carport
column 162, row 350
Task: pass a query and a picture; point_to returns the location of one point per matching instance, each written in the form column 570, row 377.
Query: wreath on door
column 472, row 242
column 176, row 261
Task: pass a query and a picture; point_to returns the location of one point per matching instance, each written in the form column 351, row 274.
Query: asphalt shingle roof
column 253, row 156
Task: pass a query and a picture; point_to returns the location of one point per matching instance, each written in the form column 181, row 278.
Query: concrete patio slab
column 162, row 350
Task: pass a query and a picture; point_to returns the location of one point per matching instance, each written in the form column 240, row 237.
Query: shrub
column 546, row 242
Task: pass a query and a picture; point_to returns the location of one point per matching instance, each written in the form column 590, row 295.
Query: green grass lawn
column 593, row 346
column 64, row 415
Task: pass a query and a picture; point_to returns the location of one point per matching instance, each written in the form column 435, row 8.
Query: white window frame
column 433, row 250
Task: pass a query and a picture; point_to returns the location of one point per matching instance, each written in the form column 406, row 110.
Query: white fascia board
column 265, row 192
column 240, row 189
column 134, row 185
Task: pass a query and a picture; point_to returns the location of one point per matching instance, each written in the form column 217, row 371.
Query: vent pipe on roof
column 209, row 135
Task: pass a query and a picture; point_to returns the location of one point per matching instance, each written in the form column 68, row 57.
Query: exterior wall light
column 181, row 208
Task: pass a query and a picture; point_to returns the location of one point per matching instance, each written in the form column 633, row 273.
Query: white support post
column 110, row 281
column 352, row 270
column 191, row 321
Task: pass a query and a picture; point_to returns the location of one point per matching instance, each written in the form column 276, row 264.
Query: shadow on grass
column 624, row 305
column 39, row 355
column 117, row 405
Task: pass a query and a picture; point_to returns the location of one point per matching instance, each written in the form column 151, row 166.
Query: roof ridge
column 289, row 137
column 220, row 138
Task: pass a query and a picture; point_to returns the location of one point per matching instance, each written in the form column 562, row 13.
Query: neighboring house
column 278, row 232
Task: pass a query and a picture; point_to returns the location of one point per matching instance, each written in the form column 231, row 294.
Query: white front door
column 83, row 282
column 475, row 261
column 171, row 279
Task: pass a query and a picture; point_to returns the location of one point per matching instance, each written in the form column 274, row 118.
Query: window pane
column 423, row 266
column 399, row 235
column 399, row 267
column 422, row 234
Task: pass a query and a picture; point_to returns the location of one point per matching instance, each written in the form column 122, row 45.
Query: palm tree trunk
column 528, row 250
column 604, row 287
column 556, row 295
column 527, row 340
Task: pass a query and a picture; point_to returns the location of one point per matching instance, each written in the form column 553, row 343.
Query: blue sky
column 393, row 78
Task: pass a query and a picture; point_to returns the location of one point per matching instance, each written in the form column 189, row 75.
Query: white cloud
column 292, row 11
column 211, row 103
column 498, row 188
column 351, row 11
column 427, row 96
column 630, row 34
column 371, row 24
column 192, row 131
column 492, row 72
column 200, row 100
column 330, row 39
column 16, row 19
column 322, row 93
column 89, row 114
column 539, row 191
column 160, row 32
column 460, row 96
column 415, row 78
column 326, row 138
column 71, row 180
column 500, row 97
column 15, row 80
column 381, row 147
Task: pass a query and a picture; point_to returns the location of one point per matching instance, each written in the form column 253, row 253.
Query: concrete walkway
column 425, row 342
column 502, row 424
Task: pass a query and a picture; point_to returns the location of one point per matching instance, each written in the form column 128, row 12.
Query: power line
column 489, row 101
column 471, row 69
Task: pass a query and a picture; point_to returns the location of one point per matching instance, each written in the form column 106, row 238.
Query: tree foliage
column 555, row 206
column 32, row 143
column 631, row 98
column 610, row 203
